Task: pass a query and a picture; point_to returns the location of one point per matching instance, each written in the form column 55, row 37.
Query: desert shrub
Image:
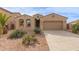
column 37, row 30
column 17, row 34
column 29, row 40
column 75, row 28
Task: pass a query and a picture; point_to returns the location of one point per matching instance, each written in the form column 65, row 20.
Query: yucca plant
column 29, row 40
column 3, row 20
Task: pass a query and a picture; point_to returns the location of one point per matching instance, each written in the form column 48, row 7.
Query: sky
column 71, row 12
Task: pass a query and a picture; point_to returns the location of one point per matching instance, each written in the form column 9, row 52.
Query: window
column 21, row 22
column 28, row 22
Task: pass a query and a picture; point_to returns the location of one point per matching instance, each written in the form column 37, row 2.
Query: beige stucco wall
column 25, row 27
column 42, row 20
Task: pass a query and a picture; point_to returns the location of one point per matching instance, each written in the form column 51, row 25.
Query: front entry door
column 37, row 23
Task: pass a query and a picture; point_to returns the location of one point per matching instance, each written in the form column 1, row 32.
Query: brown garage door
column 52, row 25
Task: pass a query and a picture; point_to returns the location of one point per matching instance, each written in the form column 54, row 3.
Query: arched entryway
column 12, row 26
column 37, row 23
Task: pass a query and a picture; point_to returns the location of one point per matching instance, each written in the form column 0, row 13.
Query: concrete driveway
column 62, row 41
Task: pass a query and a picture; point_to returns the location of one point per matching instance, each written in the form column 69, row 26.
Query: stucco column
column 64, row 25
column 17, row 24
column 33, row 23
column 41, row 24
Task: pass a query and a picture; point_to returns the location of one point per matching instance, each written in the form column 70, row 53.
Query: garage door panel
column 52, row 25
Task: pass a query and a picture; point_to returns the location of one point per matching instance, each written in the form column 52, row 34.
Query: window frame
column 28, row 23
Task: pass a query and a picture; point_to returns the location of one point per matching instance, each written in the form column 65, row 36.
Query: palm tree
column 3, row 20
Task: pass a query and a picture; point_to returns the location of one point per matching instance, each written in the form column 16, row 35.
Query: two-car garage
column 53, row 22
column 53, row 25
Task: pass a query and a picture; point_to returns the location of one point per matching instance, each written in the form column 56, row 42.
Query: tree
column 3, row 20
column 75, row 28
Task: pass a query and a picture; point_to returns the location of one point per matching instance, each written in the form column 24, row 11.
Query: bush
column 37, row 30
column 29, row 40
column 75, row 28
column 17, row 34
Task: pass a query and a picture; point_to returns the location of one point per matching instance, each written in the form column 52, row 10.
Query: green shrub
column 17, row 34
column 29, row 40
column 75, row 28
column 37, row 30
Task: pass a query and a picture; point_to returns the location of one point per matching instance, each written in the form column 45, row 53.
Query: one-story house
column 51, row 21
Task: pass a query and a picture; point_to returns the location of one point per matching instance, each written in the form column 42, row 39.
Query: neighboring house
column 71, row 23
column 74, row 22
column 49, row 22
